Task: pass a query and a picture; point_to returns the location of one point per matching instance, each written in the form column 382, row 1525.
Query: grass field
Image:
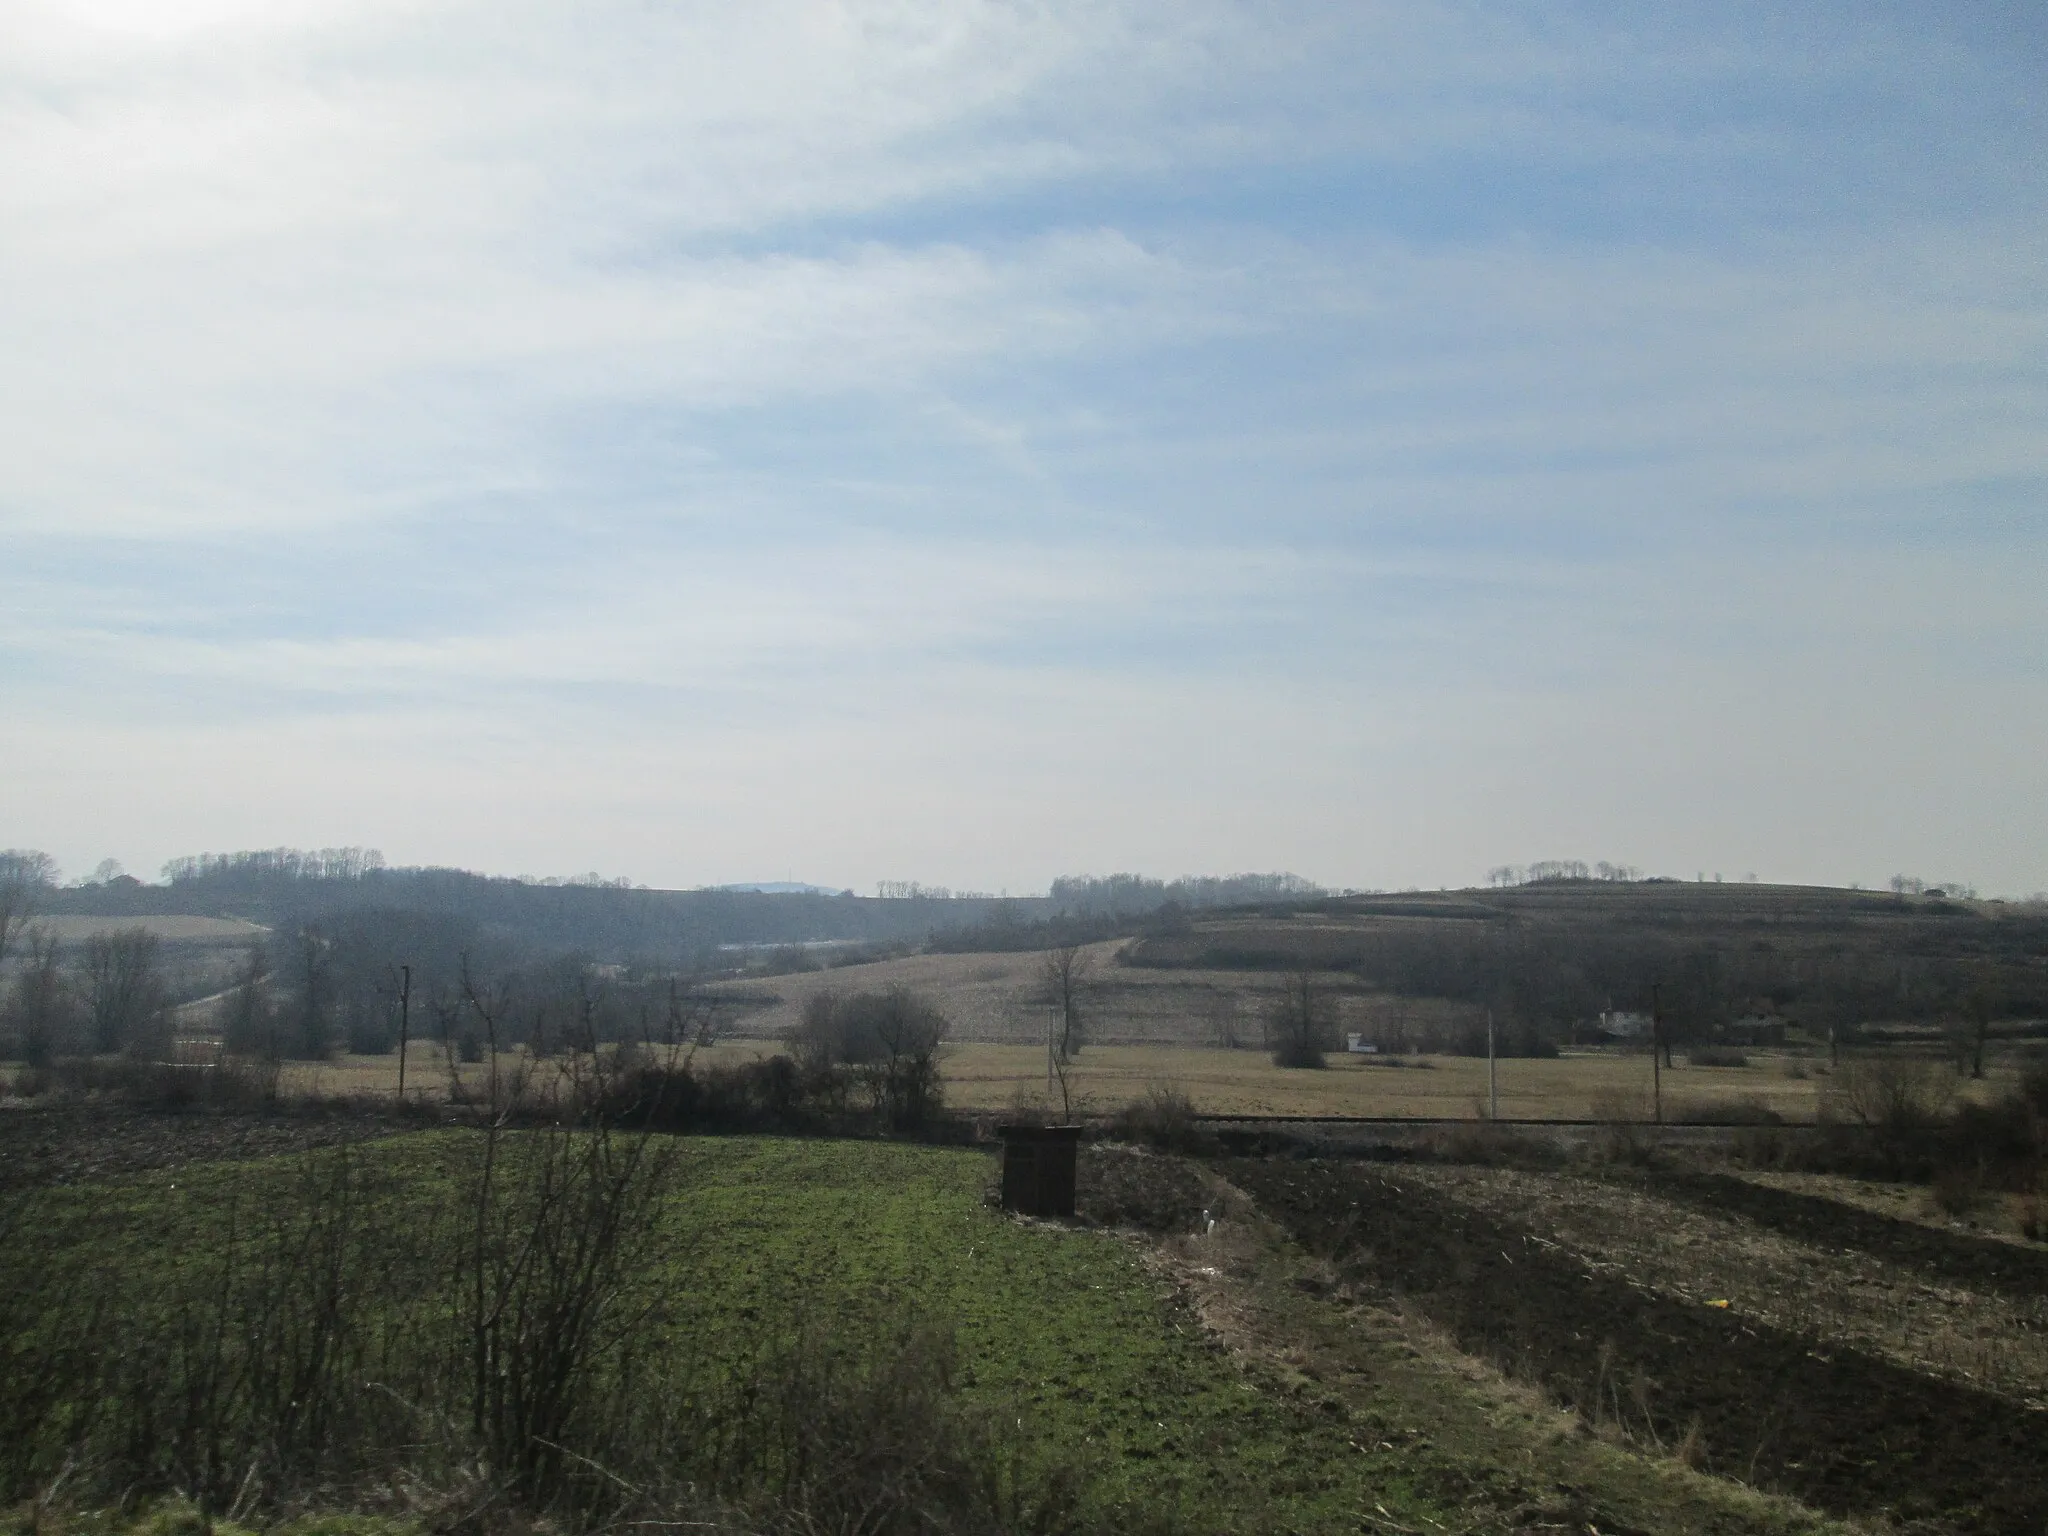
column 1060, row 1330
column 994, row 1078
column 1065, row 1326
column 70, row 929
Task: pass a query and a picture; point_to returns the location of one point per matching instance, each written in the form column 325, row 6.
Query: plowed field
column 1866, row 1371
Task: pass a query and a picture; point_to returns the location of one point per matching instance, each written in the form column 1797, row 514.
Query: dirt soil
column 1776, row 1401
column 1500, row 1454
column 1840, row 1294
column 2014, row 1267
column 1121, row 1186
column 74, row 1144
column 2000, row 1216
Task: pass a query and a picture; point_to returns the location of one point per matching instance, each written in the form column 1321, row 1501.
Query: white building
column 1625, row 1026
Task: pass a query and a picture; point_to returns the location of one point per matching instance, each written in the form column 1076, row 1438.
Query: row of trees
column 1554, row 977
column 1559, row 869
column 364, row 979
column 265, row 864
column 1117, row 895
column 108, row 997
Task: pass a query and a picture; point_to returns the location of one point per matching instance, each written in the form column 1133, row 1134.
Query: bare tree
column 1893, row 1094
column 1980, row 1004
column 888, row 1042
column 311, row 965
column 1063, row 980
column 124, row 992
column 816, row 1042
column 249, row 1019
column 1298, row 1025
column 40, row 1006
column 911, row 1030
column 25, row 875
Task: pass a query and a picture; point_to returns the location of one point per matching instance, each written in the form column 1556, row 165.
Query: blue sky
column 974, row 443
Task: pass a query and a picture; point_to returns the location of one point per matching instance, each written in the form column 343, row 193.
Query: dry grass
column 997, row 999
column 72, row 929
column 426, row 1071
column 1105, row 1078
column 1448, row 1087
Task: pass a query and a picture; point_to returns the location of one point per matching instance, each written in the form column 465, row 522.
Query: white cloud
column 1041, row 414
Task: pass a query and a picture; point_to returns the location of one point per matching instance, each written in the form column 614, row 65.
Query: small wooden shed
column 1038, row 1168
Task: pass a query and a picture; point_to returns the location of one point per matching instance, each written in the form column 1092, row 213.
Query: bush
column 1958, row 1191
column 880, row 1045
column 1747, row 1110
column 1163, row 1118
column 1716, row 1056
column 1298, row 1027
column 226, row 1083
column 1901, row 1101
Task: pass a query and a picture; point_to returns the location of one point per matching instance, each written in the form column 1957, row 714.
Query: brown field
column 995, row 999
column 994, row 1078
column 71, row 930
column 1222, row 1082
column 1872, row 1369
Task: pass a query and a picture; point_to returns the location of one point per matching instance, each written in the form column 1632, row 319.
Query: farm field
column 1104, row 1078
column 992, row 1078
column 76, row 929
column 863, row 1249
column 1236, row 1344
column 998, row 999
column 1876, row 1370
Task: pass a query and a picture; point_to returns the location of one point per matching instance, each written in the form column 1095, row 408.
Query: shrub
column 1298, row 1025
column 1958, row 1191
column 1164, row 1117
column 1901, row 1101
column 369, row 1035
column 1746, row 1110
column 881, row 1045
column 1716, row 1056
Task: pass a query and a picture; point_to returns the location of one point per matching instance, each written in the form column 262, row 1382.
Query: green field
column 758, row 1246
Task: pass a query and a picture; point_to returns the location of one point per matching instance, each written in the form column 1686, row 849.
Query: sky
column 975, row 443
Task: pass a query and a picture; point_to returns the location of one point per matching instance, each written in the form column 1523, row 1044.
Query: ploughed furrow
column 1625, row 1228
column 1840, row 1429
column 1981, row 1263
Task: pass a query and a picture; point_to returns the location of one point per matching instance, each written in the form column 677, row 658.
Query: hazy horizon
column 976, row 444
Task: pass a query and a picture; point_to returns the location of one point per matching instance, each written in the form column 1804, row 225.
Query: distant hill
column 779, row 888
column 606, row 922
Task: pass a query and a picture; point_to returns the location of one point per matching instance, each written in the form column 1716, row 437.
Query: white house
column 1623, row 1025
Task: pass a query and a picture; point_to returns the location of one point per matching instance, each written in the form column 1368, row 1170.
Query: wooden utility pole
column 404, row 1023
column 1492, row 1072
column 1657, row 1053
